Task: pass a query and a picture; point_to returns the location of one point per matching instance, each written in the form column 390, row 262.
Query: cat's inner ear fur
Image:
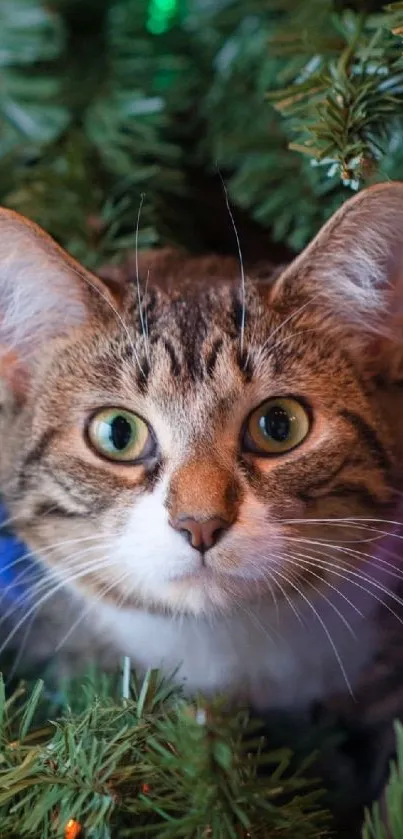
column 352, row 274
column 43, row 293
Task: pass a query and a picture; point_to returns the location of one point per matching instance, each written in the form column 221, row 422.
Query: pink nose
column 202, row 535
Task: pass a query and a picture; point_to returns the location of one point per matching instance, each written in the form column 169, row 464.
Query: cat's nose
column 202, row 535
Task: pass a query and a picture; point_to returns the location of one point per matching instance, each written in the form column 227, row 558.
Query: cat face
column 188, row 445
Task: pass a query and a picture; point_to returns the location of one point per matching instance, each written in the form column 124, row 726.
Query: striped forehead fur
column 164, row 344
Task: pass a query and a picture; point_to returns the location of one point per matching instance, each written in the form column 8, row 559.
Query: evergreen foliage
column 154, row 764
column 103, row 100
column 389, row 824
column 151, row 765
column 107, row 106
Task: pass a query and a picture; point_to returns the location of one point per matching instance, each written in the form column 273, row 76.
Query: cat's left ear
column 352, row 274
column 43, row 293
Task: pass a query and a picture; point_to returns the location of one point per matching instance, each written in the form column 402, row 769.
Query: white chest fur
column 268, row 656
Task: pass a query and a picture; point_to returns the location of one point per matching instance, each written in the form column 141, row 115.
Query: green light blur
column 160, row 15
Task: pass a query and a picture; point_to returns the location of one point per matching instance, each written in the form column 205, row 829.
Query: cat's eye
column 119, row 435
column 276, row 426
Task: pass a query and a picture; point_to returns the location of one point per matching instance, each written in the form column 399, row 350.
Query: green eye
column 119, row 435
column 277, row 426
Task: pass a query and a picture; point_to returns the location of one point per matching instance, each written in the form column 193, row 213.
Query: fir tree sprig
column 394, row 21
column 31, row 109
column 79, row 168
column 151, row 765
column 386, row 821
column 343, row 109
column 97, row 108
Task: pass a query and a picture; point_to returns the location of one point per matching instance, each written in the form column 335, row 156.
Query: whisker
column 350, row 577
column 287, row 338
column 143, row 329
column 44, row 599
column 283, row 591
column 359, row 521
column 372, row 560
column 28, row 574
column 242, row 606
column 323, row 625
column 290, row 560
column 86, row 611
column 355, row 524
column 293, row 559
column 37, row 567
column 284, row 323
column 146, row 314
column 115, row 312
column 376, row 561
column 241, row 265
column 327, row 542
column 48, row 580
column 10, row 520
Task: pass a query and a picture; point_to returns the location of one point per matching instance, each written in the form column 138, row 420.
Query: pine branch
column 31, row 40
column 395, row 18
column 247, row 139
column 389, row 824
column 343, row 109
column 97, row 109
column 82, row 176
column 152, row 765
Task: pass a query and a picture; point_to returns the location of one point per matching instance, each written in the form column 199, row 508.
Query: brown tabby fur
column 327, row 329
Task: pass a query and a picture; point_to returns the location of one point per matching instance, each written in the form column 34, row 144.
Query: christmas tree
column 112, row 106
column 149, row 764
column 103, row 100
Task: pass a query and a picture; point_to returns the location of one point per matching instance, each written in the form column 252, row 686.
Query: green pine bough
column 154, row 764
column 386, row 822
column 149, row 765
column 102, row 101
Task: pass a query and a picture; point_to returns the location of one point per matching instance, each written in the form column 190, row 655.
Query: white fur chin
column 266, row 653
column 161, row 566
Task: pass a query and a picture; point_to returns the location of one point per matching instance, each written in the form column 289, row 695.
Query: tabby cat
column 206, row 468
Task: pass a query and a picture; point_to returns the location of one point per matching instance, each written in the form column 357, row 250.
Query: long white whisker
column 241, row 265
column 116, row 313
column 284, row 323
column 28, row 573
column 323, row 625
column 37, row 566
column 293, row 558
column 143, row 328
column 46, row 581
column 85, row 612
column 45, row 597
column 351, row 576
column 283, row 591
column 374, row 560
column 290, row 337
column 359, row 521
column 146, row 314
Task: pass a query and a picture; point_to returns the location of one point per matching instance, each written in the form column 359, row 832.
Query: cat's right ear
column 43, row 293
column 351, row 278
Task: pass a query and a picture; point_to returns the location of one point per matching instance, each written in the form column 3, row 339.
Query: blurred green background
column 105, row 101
